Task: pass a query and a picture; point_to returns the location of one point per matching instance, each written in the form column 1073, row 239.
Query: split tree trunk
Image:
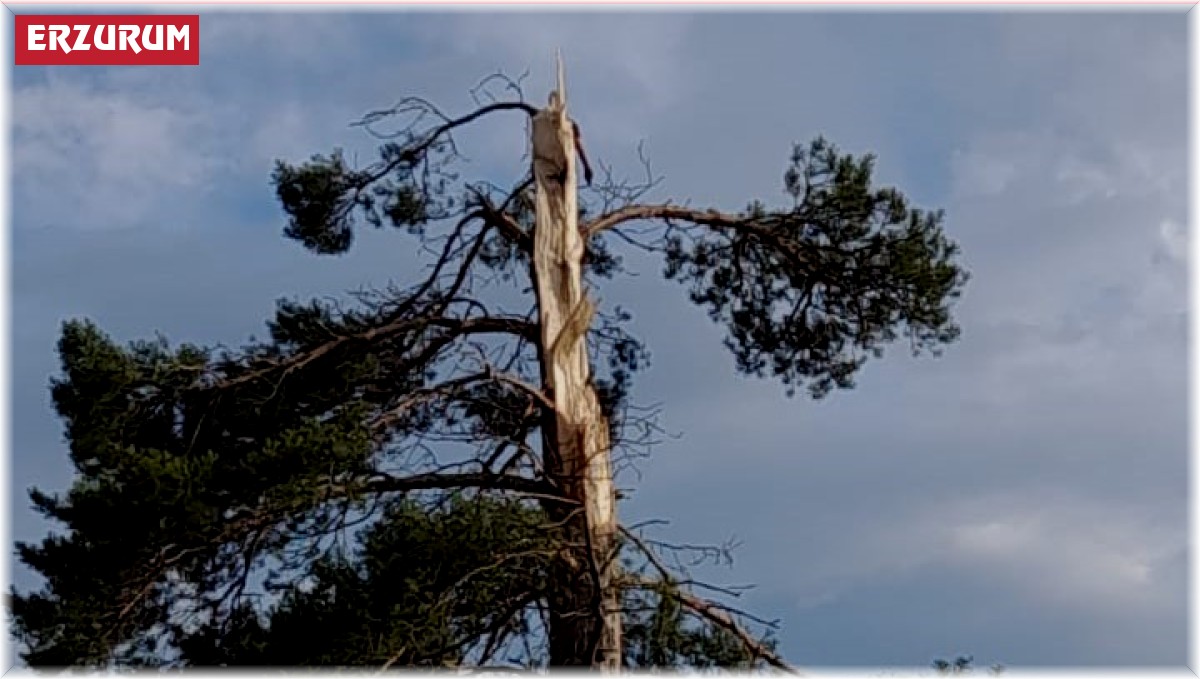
column 585, row 617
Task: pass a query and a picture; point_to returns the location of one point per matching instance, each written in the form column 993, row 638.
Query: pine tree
column 409, row 478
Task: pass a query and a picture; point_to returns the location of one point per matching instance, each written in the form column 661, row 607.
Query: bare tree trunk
column 585, row 624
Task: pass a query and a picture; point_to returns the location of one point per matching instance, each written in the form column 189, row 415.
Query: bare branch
column 455, row 327
column 513, row 85
column 801, row 255
column 719, row 616
column 453, row 387
column 422, row 108
column 662, row 569
column 723, row 617
column 614, row 193
column 664, row 212
column 499, row 218
column 526, row 487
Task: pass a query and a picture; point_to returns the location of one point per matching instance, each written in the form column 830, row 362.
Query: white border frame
column 8, row 494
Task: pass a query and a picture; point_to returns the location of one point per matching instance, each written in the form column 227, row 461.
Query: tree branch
column 711, row 611
column 666, row 212
column 519, row 327
column 418, row 396
column 431, row 137
column 758, row 227
column 386, row 483
column 720, row 617
column 499, row 218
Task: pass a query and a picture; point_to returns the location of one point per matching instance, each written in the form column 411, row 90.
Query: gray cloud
column 1022, row 498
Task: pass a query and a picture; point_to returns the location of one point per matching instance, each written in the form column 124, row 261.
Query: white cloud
column 983, row 174
column 1061, row 550
column 1070, row 208
column 1173, row 240
column 133, row 147
column 1077, row 251
column 620, row 68
column 300, row 38
column 148, row 147
column 86, row 157
column 1069, row 373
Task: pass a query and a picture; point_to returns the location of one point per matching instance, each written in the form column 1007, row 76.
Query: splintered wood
column 566, row 313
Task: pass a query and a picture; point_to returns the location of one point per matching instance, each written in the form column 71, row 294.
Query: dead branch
column 721, row 617
column 387, row 483
column 499, row 217
column 423, row 108
column 718, row 614
column 450, row 387
column 455, row 327
column 615, row 193
column 665, row 212
column 650, row 555
column 511, row 84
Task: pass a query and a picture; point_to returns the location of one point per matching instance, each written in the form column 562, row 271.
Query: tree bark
column 585, row 617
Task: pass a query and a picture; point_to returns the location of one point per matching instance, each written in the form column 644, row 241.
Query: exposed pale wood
column 580, row 436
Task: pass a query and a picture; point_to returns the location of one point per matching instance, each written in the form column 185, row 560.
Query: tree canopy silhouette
column 389, row 480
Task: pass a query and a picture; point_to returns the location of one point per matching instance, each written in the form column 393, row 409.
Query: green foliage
column 810, row 292
column 291, row 502
column 318, row 198
column 425, row 578
column 182, row 492
column 659, row 635
column 422, row 580
column 155, row 493
column 322, row 196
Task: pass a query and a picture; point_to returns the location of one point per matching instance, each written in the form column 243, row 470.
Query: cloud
column 983, row 174
column 1038, row 465
column 1034, row 472
column 88, row 157
column 124, row 148
column 1078, row 552
column 1077, row 252
column 638, row 59
column 1061, row 550
column 304, row 40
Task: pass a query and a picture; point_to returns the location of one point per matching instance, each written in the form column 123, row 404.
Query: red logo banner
column 107, row 40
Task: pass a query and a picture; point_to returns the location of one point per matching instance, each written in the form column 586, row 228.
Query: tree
column 421, row 478
column 963, row 664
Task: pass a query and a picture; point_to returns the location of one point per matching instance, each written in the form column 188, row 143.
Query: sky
column 1021, row 499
